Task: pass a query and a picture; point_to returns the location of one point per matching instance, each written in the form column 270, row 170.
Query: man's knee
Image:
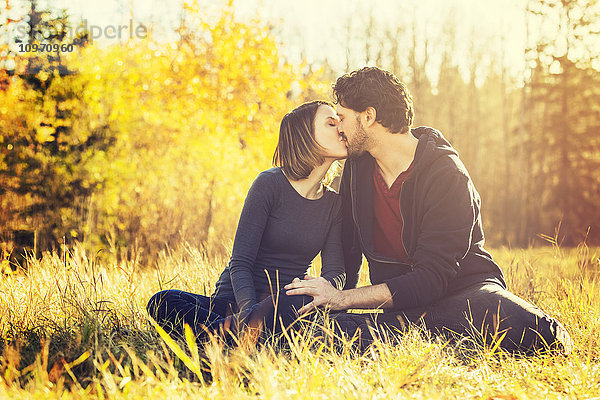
column 540, row 334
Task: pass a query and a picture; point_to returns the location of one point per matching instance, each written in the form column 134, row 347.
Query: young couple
column 406, row 202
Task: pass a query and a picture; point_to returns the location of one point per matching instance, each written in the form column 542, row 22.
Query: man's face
column 352, row 130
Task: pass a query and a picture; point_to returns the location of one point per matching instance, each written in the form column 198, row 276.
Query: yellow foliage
column 44, row 133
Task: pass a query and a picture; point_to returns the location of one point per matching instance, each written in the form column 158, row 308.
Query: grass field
column 79, row 329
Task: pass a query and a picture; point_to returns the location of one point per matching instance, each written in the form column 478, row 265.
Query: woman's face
column 326, row 133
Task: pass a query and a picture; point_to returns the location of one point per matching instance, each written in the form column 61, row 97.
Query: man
column 411, row 208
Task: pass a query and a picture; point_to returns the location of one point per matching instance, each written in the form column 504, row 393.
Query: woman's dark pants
column 172, row 309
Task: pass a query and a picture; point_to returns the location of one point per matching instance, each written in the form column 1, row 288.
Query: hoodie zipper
column 403, row 224
column 367, row 253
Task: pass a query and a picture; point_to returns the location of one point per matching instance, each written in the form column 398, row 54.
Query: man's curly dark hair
column 382, row 90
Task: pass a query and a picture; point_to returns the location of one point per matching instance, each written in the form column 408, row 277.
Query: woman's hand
column 320, row 289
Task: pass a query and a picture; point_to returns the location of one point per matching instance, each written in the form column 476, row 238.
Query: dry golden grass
column 79, row 329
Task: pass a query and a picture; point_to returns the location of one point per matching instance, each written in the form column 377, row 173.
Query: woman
column 288, row 217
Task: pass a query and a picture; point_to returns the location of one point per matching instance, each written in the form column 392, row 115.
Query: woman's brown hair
column 298, row 152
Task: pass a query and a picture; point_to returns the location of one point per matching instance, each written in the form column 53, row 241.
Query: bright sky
column 316, row 29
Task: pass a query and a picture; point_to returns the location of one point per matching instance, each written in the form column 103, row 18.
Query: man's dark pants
column 483, row 311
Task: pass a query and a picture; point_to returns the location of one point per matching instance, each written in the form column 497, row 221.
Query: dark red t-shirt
column 387, row 224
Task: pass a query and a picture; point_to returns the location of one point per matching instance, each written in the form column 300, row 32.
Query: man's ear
column 369, row 116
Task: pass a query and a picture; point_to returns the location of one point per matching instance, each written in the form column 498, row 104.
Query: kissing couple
column 406, row 203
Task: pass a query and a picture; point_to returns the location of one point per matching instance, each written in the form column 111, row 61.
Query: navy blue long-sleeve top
column 279, row 234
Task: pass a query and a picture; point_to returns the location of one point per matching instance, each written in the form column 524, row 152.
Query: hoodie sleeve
column 350, row 242
column 451, row 211
column 253, row 219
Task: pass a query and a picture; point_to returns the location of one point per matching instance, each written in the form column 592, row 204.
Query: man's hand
column 320, row 289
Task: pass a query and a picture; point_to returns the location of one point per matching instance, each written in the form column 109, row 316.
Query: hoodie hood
column 432, row 145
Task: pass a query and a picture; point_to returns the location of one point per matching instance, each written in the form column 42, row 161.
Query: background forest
column 134, row 147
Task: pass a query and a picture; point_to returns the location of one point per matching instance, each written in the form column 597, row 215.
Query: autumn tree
column 43, row 155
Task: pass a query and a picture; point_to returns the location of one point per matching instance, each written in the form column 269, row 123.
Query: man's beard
column 359, row 141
